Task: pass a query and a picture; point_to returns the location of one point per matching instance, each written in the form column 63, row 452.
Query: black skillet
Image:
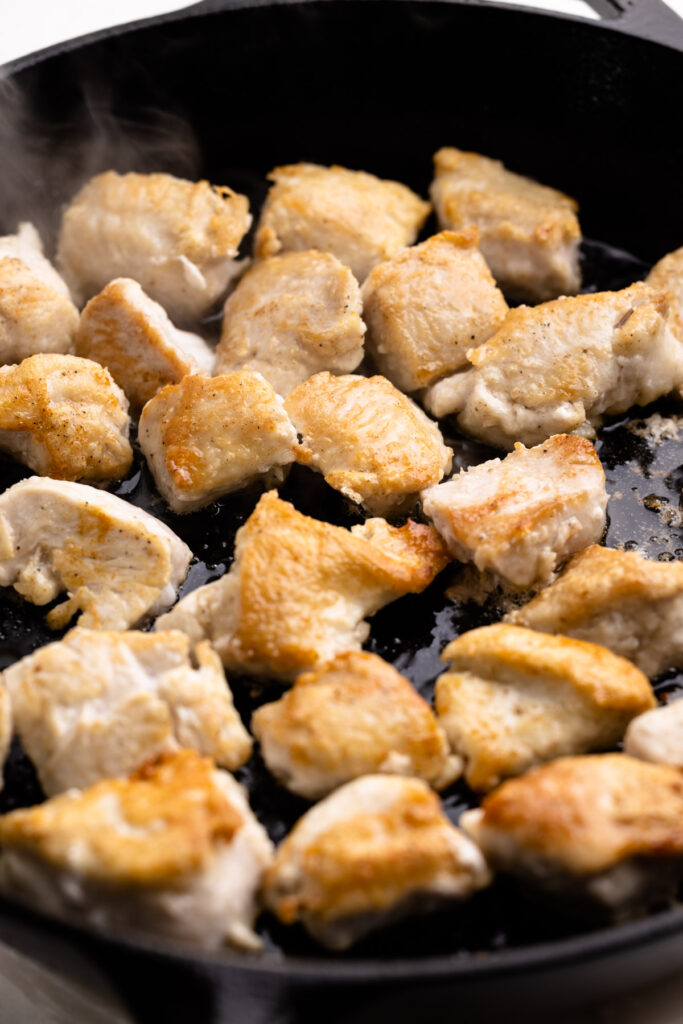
column 228, row 90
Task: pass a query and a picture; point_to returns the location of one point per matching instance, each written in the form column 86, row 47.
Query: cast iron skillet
column 228, row 90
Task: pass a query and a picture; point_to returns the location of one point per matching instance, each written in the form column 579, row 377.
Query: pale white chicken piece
column 368, row 440
column 117, row 563
column 207, row 436
column 34, row 315
column 299, row 589
column 530, row 233
column 602, row 833
column 177, row 238
column 513, row 698
column 291, row 316
column 65, row 418
column 354, row 716
column 378, row 849
column 358, row 217
column 618, row 599
column 174, row 852
column 667, row 276
column 523, row 515
column 97, row 705
column 26, row 245
column 427, row 306
column 130, row 334
column 657, row 735
column 559, row 367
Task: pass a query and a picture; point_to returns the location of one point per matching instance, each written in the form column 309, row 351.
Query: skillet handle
column 647, row 19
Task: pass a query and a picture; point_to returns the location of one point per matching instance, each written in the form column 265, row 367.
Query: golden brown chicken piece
column 207, row 436
column 6, row 728
column 618, row 599
column 560, row 366
column 299, row 589
column 530, row 233
column 361, row 219
column 353, row 716
column 523, row 515
column 513, row 698
column 173, row 852
column 427, row 306
column 375, row 850
column 368, row 440
column 603, row 832
column 34, row 315
column 291, row 316
column 177, row 238
column 97, row 705
column 117, row 563
column 667, row 276
column 26, row 245
column 124, row 330
column 65, row 418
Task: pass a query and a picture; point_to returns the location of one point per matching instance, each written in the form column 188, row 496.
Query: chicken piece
column 427, row 306
column 559, row 367
column 208, row 436
column 618, row 599
column 65, row 418
column 27, row 246
column 667, row 276
column 124, row 330
column 376, row 850
column 291, row 316
column 523, row 515
column 361, row 219
column 34, row 316
column 5, row 728
column 117, row 563
column 299, row 589
column 353, row 716
column 513, row 698
column 174, row 852
column 177, row 238
column 368, row 440
column 530, row 233
column 97, row 705
column 602, row 833
column 657, row 735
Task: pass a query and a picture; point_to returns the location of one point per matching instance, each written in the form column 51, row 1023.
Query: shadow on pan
column 228, row 91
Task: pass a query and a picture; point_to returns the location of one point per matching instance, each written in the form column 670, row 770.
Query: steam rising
column 44, row 162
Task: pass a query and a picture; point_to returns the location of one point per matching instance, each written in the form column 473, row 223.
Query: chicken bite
column 174, row 852
column 64, row 417
column 291, row 316
column 26, row 245
column 513, row 698
column 361, row 219
column 177, row 238
column 427, row 306
column 561, row 366
column 117, row 563
column 376, row 850
column 97, row 705
column 618, row 599
column 299, row 589
column 368, row 440
column 353, row 716
column 124, row 330
column 602, row 833
column 205, row 437
column 523, row 515
column 6, row 728
column 34, row 315
column 530, row 233
column 667, row 276
column 657, row 735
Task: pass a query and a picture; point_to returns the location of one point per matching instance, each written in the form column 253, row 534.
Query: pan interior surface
column 378, row 86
